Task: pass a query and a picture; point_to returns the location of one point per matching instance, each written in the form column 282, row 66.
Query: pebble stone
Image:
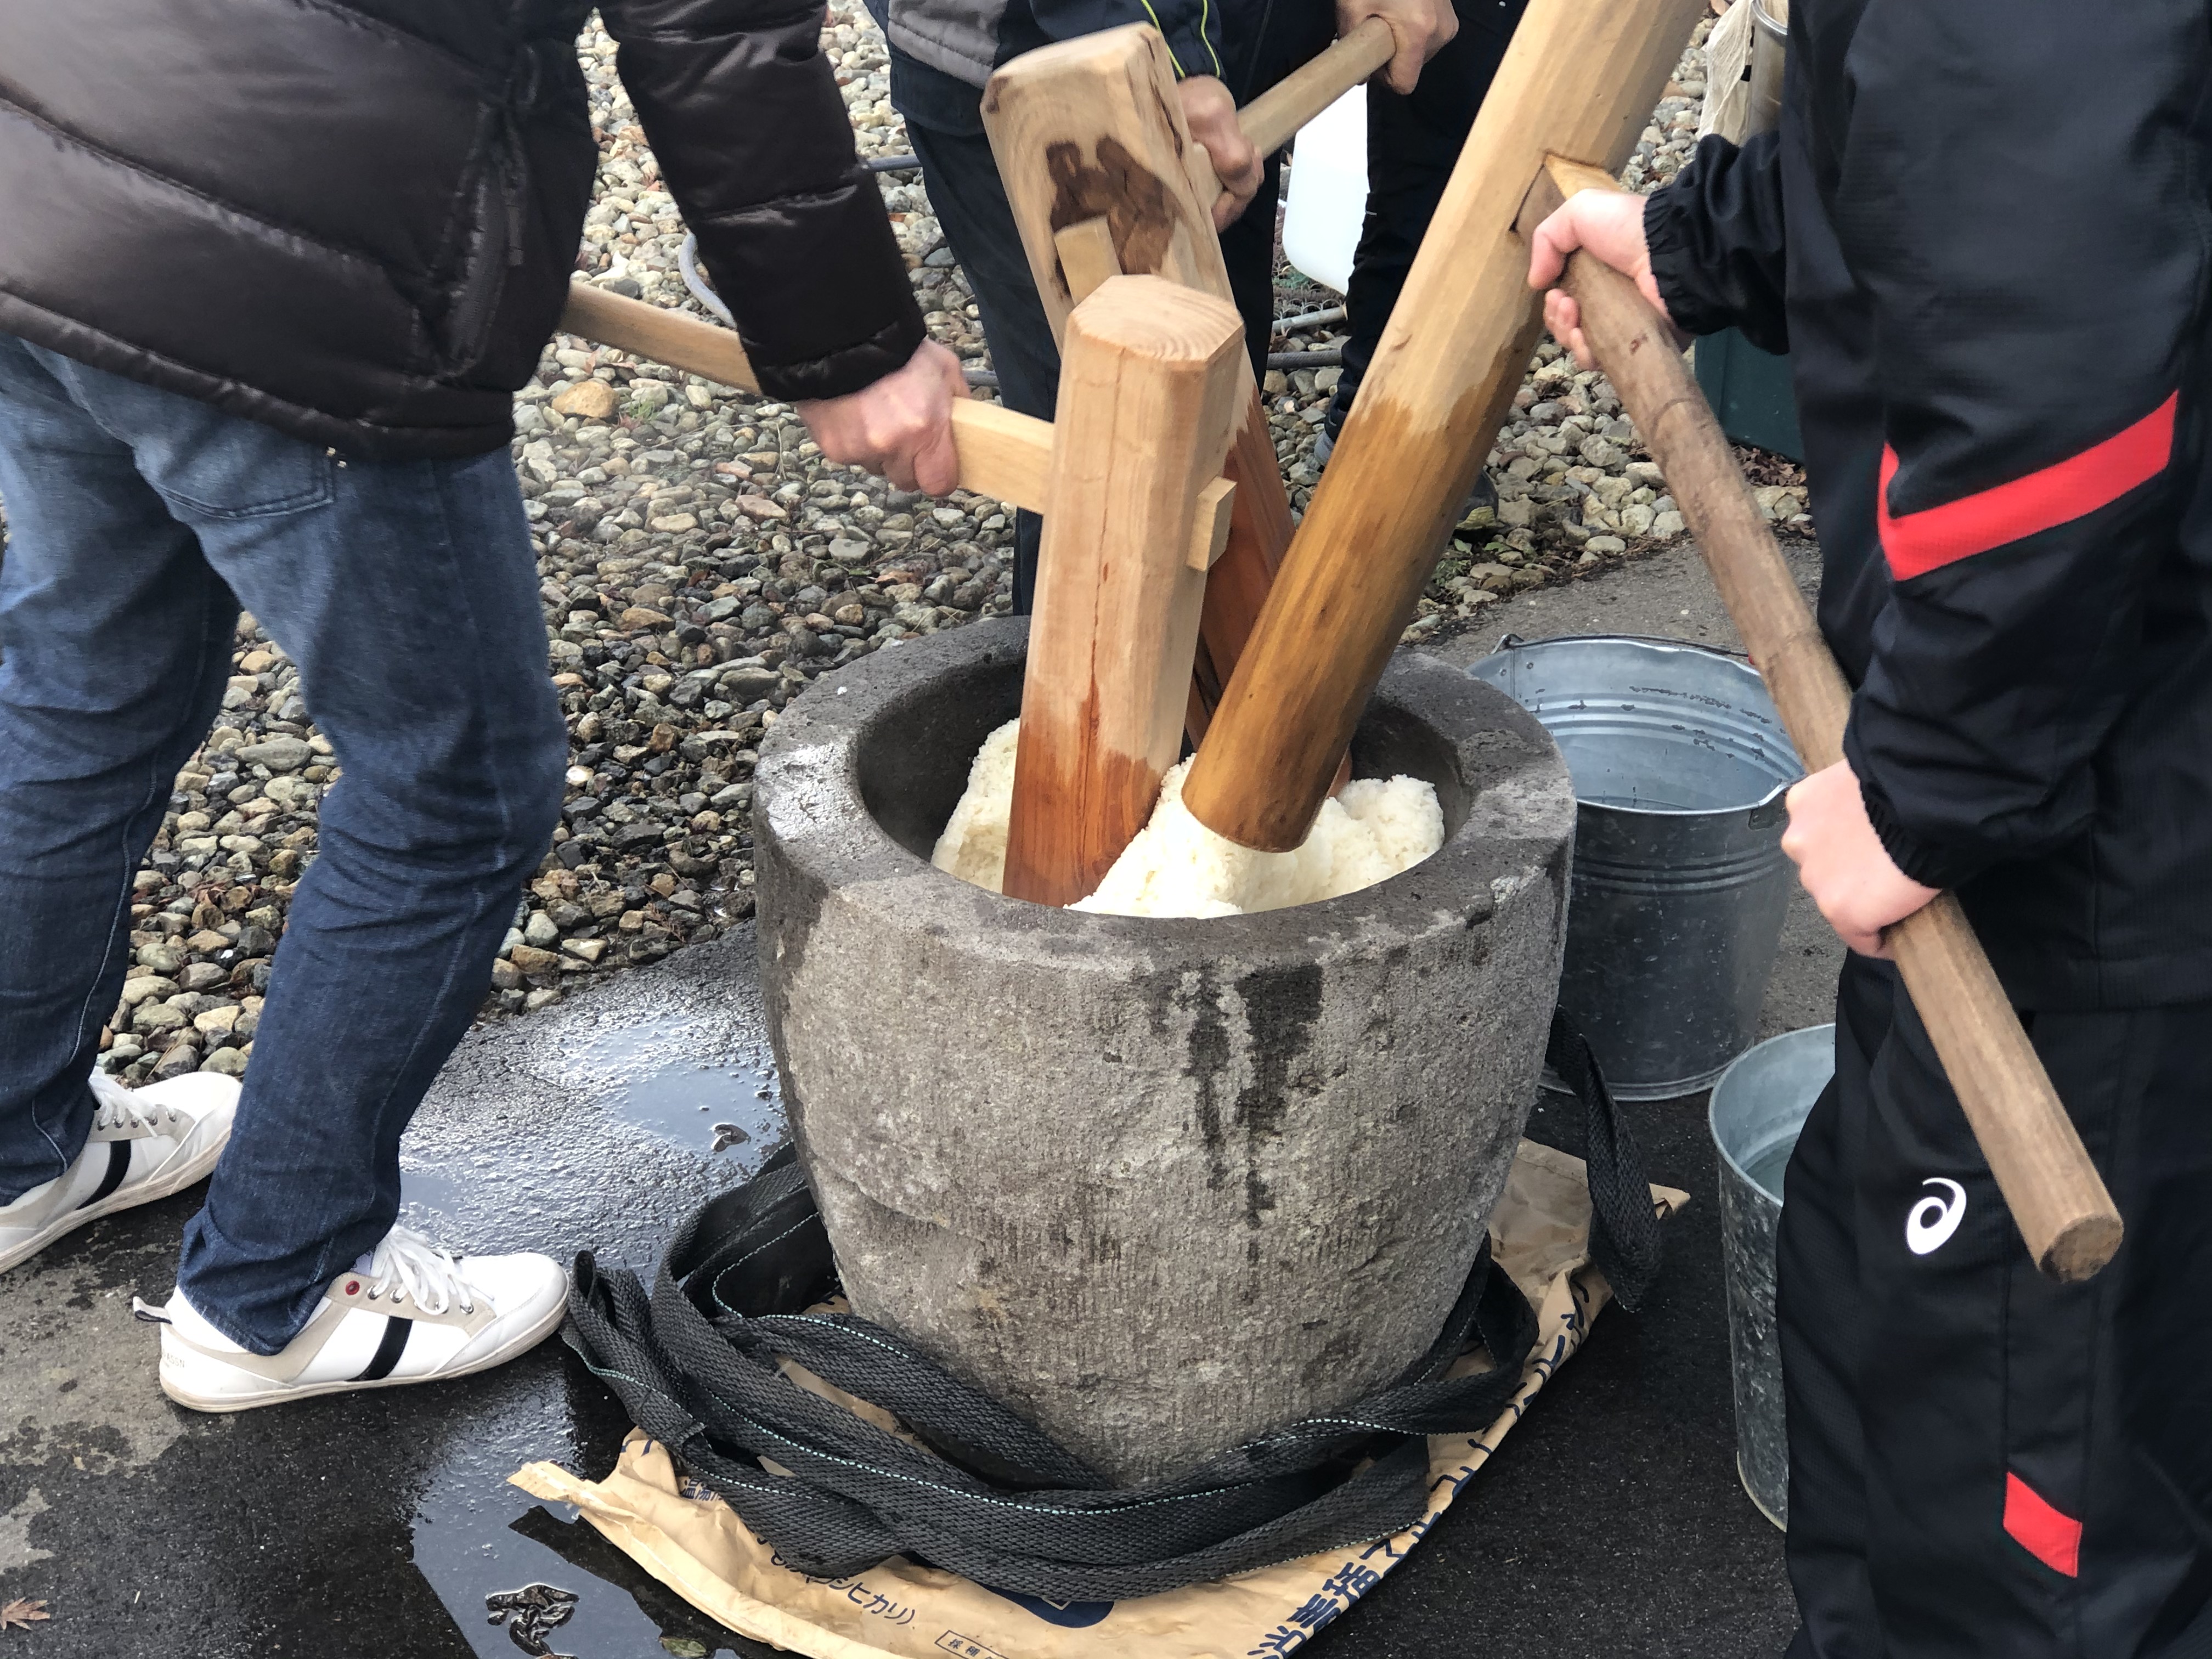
column 700, row 563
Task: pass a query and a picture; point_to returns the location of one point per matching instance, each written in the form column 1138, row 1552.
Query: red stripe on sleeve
column 1920, row 542
column 2051, row 1538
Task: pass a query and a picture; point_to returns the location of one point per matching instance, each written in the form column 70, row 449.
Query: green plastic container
column 1750, row 391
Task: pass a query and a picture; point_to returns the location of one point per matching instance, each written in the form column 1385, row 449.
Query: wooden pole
column 1148, row 384
column 1272, row 118
column 1002, row 454
column 1580, row 78
column 2057, row 1197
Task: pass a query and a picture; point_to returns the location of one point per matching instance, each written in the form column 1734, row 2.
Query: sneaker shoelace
column 408, row 1267
column 116, row 1107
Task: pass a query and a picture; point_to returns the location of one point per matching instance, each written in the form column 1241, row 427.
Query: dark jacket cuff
column 850, row 369
column 818, row 288
column 1717, row 244
column 1674, row 266
column 1193, row 53
column 1927, row 862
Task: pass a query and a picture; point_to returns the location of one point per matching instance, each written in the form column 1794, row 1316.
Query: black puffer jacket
column 355, row 220
column 1984, row 236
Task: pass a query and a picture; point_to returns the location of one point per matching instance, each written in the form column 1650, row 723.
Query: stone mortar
column 1160, row 1185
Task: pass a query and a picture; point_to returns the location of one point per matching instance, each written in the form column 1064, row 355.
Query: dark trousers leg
column 1817, row 1293
column 1982, row 1461
column 970, row 205
column 945, row 125
column 1414, row 143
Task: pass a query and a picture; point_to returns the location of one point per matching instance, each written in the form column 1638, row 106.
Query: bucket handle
column 1511, row 642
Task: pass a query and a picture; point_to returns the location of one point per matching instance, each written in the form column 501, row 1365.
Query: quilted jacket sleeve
column 2021, row 200
column 742, row 109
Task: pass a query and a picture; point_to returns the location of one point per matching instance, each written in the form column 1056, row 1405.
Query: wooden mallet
column 1104, row 180
column 1579, row 78
column 1090, row 783
column 1133, row 635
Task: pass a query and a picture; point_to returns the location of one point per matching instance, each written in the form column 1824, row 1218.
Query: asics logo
column 1935, row 1218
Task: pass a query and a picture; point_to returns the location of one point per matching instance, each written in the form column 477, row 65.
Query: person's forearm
column 790, row 226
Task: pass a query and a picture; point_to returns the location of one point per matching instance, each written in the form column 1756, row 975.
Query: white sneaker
column 146, row 1143
column 408, row 1313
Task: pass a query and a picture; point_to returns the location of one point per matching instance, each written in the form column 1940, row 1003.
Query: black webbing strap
column 990, row 1497
column 1625, row 1240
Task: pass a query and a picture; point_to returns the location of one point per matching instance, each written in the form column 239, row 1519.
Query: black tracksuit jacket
column 1981, row 232
column 355, row 220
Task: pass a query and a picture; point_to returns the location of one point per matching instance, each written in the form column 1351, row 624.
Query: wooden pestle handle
column 1271, row 120
column 2057, row 1197
column 1002, row 454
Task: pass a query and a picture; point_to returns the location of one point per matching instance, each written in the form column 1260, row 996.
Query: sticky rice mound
column 1177, row 867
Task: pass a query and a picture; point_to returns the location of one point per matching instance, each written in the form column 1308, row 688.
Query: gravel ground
column 701, row 563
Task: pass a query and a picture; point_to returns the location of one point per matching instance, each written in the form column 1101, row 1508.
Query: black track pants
column 1414, row 141
column 1982, row 1461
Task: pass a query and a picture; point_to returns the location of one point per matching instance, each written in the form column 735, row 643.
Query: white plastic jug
column 1328, row 191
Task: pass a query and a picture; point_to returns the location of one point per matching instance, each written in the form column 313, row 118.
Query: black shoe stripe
column 119, row 1165
column 389, row 1350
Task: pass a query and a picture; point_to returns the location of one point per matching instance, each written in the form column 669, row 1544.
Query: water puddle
column 622, row 1081
column 601, row 1123
column 650, row 1076
column 519, row 1576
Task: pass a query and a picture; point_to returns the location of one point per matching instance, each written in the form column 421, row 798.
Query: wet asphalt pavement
column 1610, row 1524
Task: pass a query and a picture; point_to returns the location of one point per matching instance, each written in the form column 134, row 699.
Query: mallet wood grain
column 1258, row 524
column 1580, row 78
column 1098, row 161
column 2057, row 1197
column 1002, row 454
column 1149, row 380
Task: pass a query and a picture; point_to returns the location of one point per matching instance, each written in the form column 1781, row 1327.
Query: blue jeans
column 405, row 592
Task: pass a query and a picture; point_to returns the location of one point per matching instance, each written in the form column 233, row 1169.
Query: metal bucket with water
column 1681, row 885
column 1758, row 1108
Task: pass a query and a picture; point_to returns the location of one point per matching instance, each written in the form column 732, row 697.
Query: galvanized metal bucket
column 1680, row 764
column 1758, row 1108
column 1770, row 44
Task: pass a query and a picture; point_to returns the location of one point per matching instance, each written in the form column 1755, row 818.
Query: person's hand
column 1610, row 224
column 1210, row 112
column 901, row 426
column 1841, row 862
column 1422, row 29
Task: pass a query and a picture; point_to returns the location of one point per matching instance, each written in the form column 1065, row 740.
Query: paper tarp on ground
column 696, row 1544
